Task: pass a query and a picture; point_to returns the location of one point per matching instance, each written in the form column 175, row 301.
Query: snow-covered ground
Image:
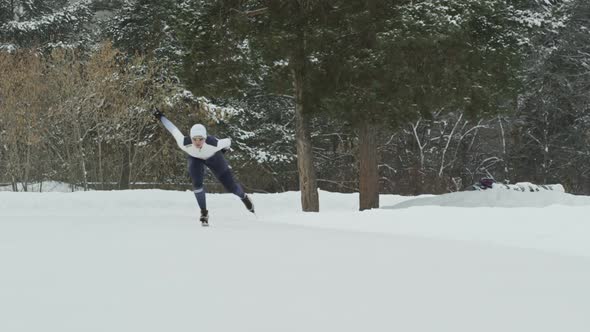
column 138, row 260
column 47, row 186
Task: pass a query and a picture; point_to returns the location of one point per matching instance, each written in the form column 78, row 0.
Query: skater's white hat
column 198, row 130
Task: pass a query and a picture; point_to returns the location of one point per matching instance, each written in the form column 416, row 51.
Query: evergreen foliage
column 414, row 59
column 449, row 90
column 552, row 122
column 220, row 60
column 145, row 27
column 33, row 23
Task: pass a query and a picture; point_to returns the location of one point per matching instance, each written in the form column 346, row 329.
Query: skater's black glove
column 157, row 113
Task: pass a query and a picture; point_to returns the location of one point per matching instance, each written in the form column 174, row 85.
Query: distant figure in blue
column 205, row 150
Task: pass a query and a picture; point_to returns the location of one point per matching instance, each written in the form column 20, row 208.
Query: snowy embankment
column 139, row 261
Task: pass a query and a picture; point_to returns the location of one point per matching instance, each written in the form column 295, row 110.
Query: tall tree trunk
column 27, row 168
column 310, row 201
column 82, row 157
column 368, row 168
column 100, row 172
column 132, row 158
column 125, row 169
column 70, row 168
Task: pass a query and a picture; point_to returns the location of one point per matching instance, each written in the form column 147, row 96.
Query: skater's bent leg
column 221, row 170
column 228, row 182
column 218, row 165
column 232, row 186
column 196, row 170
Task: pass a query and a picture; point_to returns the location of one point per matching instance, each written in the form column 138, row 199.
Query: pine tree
column 390, row 62
column 237, row 47
column 551, row 126
column 145, row 27
column 36, row 23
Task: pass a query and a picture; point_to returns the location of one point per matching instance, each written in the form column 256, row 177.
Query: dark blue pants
column 220, row 169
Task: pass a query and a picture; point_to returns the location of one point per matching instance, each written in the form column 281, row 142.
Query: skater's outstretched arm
column 178, row 136
column 224, row 143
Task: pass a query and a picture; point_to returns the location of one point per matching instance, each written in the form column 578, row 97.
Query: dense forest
column 368, row 96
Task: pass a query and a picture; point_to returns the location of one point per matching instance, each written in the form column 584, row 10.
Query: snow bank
column 47, row 186
column 496, row 198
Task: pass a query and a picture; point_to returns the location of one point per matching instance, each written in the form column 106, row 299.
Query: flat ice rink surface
column 140, row 261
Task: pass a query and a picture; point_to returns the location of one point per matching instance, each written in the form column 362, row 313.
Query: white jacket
column 209, row 148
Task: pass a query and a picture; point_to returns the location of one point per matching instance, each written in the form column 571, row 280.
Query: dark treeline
column 368, row 96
